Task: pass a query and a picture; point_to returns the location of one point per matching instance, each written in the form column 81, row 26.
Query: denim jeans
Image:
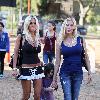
column 71, row 83
column 48, row 55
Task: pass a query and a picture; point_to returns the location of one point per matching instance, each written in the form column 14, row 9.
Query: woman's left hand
column 89, row 79
column 49, row 89
column 54, row 84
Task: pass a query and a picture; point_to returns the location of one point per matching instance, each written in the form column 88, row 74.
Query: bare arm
column 17, row 44
column 58, row 59
column 86, row 57
column 42, row 40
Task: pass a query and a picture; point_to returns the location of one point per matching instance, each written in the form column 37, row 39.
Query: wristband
column 14, row 69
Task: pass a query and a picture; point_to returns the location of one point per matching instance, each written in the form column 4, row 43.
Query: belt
column 30, row 65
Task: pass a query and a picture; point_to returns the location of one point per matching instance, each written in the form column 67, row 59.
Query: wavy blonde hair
column 63, row 35
column 26, row 30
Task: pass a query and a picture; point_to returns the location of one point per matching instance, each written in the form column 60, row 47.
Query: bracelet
column 14, row 69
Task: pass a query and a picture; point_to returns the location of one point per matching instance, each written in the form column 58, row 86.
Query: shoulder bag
column 19, row 58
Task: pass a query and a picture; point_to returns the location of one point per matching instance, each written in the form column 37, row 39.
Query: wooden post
column 29, row 7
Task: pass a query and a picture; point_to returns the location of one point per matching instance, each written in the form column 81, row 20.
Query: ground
column 10, row 88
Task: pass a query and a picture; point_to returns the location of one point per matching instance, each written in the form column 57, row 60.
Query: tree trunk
column 81, row 13
column 81, row 20
column 84, row 10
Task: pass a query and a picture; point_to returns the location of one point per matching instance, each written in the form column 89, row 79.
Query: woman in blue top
column 71, row 75
column 4, row 47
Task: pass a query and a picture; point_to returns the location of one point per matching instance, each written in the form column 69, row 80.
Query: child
column 47, row 91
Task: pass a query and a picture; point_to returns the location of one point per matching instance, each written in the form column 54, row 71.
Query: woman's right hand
column 49, row 89
column 42, row 40
column 54, row 84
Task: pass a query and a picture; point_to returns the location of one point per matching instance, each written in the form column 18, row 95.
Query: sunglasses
column 32, row 23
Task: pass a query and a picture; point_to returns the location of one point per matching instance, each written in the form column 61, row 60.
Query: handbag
column 83, row 60
column 19, row 58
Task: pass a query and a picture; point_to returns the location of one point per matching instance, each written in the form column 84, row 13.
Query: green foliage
column 92, row 18
column 97, row 18
column 34, row 8
column 42, row 6
column 93, row 30
column 24, row 6
column 50, row 16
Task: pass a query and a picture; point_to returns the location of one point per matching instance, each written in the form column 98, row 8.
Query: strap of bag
column 83, row 51
column 81, row 40
column 21, row 43
column 49, row 40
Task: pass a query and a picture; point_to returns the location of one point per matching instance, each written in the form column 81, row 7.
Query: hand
column 42, row 40
column 15, row 73
column 49, row 89
column 54, row 85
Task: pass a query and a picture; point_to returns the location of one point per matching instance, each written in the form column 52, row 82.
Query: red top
column 49, row 43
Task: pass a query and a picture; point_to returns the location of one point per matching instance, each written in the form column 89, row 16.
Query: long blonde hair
column 62, row 35
column 26, row 30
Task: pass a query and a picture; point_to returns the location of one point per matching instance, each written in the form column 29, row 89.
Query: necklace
column 70, row 42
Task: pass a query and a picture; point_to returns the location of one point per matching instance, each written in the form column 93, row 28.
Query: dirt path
column 10, row 89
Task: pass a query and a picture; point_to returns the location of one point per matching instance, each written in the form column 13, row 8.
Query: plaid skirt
column 30, row 73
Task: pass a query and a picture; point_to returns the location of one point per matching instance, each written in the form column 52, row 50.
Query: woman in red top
column 49, row 43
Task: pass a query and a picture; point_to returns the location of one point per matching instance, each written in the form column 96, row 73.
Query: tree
column 85, row 6
column 42, row 7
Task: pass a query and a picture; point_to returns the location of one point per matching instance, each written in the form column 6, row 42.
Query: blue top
column 71, row 58
column 46, row 95
column 4, row 42
column 47, row 82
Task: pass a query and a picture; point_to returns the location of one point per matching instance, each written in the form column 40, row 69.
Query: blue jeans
column 71, row 83
column 48, row 56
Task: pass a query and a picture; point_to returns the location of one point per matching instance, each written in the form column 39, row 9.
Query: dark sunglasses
column 32, row 23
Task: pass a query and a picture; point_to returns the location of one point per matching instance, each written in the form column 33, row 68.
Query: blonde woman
column 31, row 65
column 71, row 75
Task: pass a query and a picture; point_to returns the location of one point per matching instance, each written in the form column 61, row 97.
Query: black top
column 30, row 53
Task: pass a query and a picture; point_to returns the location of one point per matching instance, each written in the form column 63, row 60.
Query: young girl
column 47, row 91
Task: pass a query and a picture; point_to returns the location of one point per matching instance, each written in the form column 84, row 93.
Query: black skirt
column 28, row 73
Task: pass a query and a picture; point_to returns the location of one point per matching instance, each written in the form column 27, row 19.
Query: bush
column 93, row 30
column 50, row 16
